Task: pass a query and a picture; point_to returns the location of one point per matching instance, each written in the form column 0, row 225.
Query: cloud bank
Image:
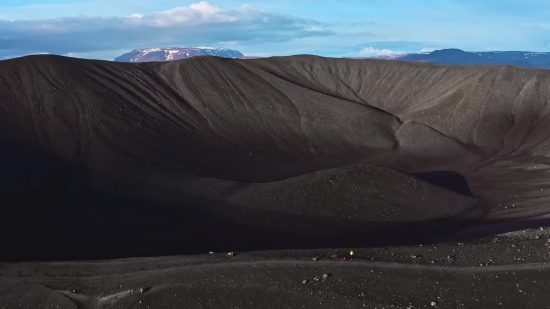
column 372, row 52
column 198, row 24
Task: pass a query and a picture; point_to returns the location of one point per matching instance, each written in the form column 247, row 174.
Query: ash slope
column 82, row 137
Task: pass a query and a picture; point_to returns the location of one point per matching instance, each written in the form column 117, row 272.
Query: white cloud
column 427, row 49
column 371, row 52
column 267, row 54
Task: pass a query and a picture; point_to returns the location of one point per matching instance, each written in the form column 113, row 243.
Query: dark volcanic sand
column 505, row 271
column 113, row 160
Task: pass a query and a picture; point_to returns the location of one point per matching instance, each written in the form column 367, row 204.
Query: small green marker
column 351, row 253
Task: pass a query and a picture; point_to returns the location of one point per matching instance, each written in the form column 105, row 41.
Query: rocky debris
column 433, row 304
column 230, row 253
column 315, row 258
column 210, row 252
column 141, row 290
column 323, row 277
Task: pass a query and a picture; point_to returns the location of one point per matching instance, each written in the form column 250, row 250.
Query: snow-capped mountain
column 539, row 60
column 176, row 53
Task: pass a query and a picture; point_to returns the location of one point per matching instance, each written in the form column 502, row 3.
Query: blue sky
column 105, row 29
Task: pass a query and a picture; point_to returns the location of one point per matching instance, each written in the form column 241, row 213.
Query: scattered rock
column 316, row 278
column 210, row 252
column 141, row 290
column 304, row 282
column 325, row 276
column 433, row 304
column 315, row 258
column 230, row 253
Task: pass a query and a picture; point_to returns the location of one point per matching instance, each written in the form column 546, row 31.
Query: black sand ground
column 505, row 271
column 114, row 160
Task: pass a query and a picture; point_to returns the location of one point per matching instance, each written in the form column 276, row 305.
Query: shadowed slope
column 69, row 212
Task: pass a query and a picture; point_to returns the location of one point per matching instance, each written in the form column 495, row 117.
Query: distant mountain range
column 176, row 53
column 457, row 56
column 539, row 60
